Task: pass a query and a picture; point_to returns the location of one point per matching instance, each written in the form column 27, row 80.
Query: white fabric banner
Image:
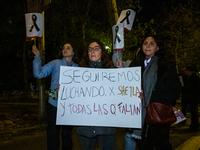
column 99, row 97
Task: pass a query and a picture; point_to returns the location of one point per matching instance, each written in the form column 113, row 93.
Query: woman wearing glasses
column 96, row 56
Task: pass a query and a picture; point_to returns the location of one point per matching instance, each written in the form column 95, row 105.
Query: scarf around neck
column 94, row 64
column 149, row 78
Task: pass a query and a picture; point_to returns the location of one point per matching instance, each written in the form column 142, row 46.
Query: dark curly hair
column 75, row 57
column 106, row 61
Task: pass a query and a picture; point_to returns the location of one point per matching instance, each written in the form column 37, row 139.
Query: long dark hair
column 75, row 57
column 161, row 53
column 106, row 62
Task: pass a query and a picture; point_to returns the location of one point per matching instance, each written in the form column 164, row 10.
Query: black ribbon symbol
column 116, row 36
column 34, row 18
column 126, row 18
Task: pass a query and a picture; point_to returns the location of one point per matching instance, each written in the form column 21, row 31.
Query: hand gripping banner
column 34, row 25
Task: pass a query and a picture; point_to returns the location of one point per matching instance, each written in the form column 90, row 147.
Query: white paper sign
column 126, row 18
column 118, row 37
column 99, row 97
column 34, row 25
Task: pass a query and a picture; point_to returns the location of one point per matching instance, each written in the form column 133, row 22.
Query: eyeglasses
column 95, row 48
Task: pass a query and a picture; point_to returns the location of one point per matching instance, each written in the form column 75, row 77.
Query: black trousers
column 194, row 115
column 155, row 137
column 184, row 106
column 53, row 132
column 106, row 142
column 192, row 104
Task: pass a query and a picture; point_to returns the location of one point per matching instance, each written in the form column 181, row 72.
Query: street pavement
column 37, row 141
column 192, row 143
column 34, row 138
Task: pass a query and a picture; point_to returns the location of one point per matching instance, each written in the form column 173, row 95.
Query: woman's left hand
column 141, row 95
column 118, row 63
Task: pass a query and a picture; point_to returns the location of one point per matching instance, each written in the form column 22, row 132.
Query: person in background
column 184, row 101
column 190, row 96
column 160, row 83
column 96, row 56
column 53, row 68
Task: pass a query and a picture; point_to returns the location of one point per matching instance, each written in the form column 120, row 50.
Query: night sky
column 150, row 8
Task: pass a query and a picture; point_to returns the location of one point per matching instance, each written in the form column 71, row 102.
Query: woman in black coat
column 96, row 56
column 160, row 83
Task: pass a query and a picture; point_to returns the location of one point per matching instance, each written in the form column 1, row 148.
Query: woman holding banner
column 161, row 84
column 96, row 56
column 53, row 68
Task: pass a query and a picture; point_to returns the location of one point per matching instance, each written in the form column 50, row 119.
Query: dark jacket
column 165, row 90
column 191, row 89
column 92, row 131
column 168, row 87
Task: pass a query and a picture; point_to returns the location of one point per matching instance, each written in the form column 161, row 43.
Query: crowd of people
column 160, row 83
